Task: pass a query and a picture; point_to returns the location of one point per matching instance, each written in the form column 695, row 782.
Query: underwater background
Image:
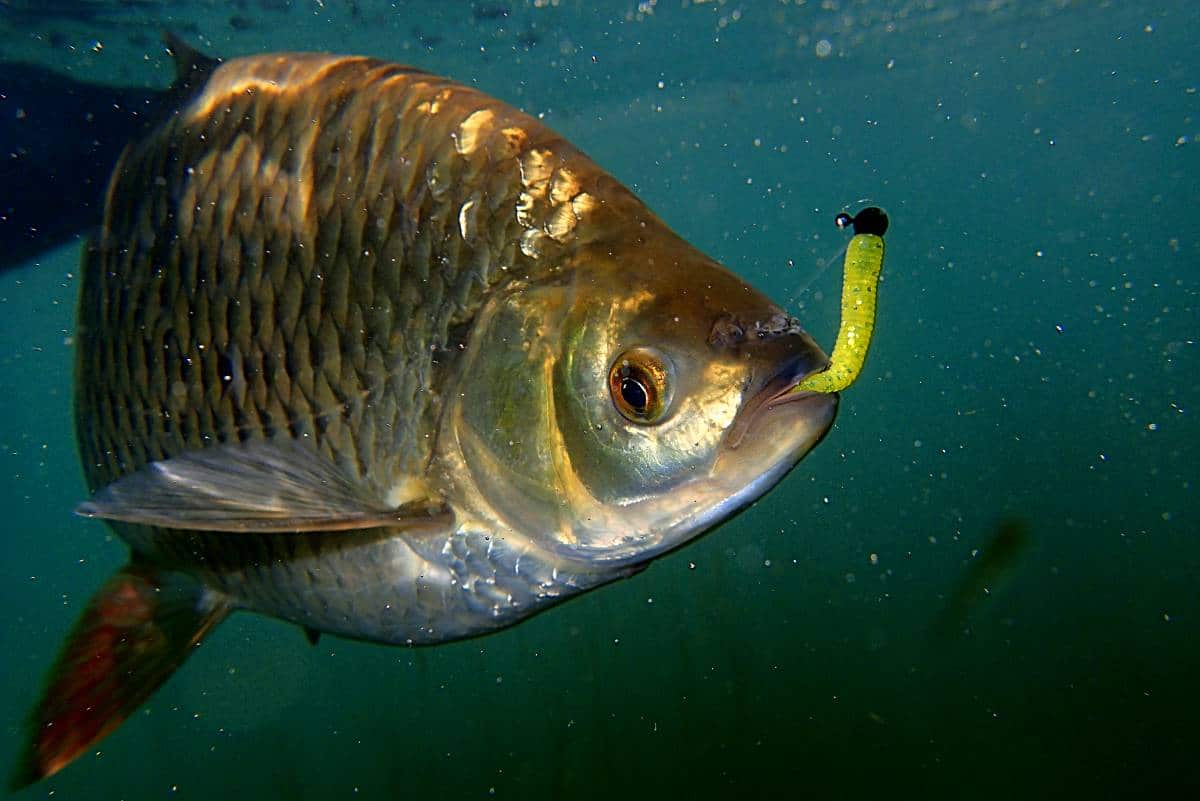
column 863, row 630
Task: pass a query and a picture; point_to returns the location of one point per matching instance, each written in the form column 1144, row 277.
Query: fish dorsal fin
column 192, row 67
column 259, row 486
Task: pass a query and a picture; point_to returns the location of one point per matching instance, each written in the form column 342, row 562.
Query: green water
column 1036, row 359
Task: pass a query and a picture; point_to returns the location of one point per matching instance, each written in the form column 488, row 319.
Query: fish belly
column 383, row 585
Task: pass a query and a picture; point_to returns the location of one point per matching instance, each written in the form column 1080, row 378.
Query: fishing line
column 821, row 266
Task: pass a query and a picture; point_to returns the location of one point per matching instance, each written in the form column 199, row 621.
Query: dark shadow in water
column 59, row 138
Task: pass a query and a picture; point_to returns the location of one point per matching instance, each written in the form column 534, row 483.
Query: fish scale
column 365, row 400
column 359, row 348
column 288, row 271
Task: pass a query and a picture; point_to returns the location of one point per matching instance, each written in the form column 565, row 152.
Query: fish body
column 990, row 567
column 369, row 351
column 300, row 294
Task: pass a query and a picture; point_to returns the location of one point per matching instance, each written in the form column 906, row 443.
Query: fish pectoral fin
column 133, row 634
column 263, row 486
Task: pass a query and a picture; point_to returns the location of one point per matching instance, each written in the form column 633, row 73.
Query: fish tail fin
column 136, row 630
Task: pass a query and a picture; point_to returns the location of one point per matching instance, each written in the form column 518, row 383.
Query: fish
column 365, row 350
column 990, row 566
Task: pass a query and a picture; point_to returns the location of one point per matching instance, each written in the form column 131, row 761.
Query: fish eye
column 640, row 384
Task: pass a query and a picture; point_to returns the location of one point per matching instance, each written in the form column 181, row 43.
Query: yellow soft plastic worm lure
column 860, row 282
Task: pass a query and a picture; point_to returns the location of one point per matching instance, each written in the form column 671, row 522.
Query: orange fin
column 135, row 632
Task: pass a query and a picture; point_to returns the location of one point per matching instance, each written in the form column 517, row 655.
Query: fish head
column 630, row 402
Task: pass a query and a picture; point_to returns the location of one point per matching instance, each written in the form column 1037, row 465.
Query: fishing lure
column 860, row 282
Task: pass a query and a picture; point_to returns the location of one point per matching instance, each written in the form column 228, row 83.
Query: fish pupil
column 633, row 393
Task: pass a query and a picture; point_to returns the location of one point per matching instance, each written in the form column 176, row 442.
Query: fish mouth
column 775, row 429
column 810, row 409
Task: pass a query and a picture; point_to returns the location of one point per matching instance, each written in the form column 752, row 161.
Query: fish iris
column 639, row 382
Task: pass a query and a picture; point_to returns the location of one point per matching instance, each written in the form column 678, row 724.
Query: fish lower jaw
column 659, row 524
